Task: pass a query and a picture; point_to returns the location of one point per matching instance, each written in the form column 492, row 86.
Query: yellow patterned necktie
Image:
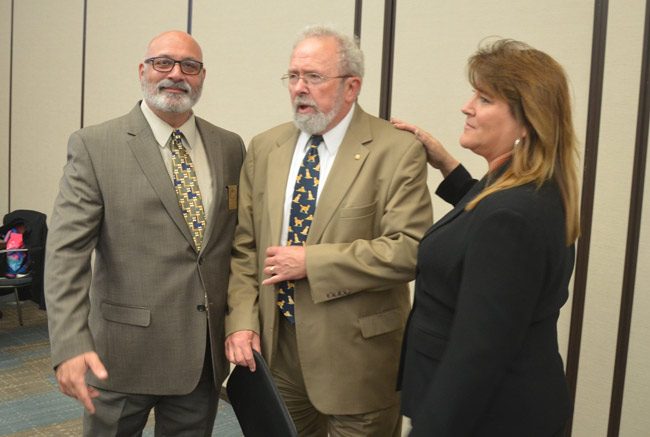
column 303, row 207
column 187, row 189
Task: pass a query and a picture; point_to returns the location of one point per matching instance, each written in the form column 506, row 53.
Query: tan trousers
column 309, row 421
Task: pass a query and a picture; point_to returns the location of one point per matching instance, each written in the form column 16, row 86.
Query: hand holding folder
column 258, row 405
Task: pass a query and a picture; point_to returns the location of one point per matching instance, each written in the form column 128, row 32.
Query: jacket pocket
column 426, row 343
column 129, row 315
column 358, row 211
column 381, row 323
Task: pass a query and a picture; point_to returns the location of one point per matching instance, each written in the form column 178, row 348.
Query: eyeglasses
column 309, row 78
column 165, row 65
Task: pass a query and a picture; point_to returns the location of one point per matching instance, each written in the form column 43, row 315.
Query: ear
column 140, row 70
column 352, row 88
column 524, row 133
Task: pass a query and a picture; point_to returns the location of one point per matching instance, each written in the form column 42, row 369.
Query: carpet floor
column 30, row 402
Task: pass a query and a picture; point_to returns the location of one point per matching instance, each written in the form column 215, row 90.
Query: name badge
column 232, row 197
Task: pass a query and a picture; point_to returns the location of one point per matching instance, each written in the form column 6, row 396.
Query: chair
column 14, row 284
column 34, row 238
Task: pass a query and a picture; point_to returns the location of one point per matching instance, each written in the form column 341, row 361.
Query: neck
column 498, row 161
column 174, row 119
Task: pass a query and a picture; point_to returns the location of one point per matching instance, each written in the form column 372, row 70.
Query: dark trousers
column 125, row 415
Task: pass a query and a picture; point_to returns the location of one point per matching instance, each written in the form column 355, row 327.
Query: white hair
column 350, row 54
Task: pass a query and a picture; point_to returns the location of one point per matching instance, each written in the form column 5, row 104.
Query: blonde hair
column 535, row 88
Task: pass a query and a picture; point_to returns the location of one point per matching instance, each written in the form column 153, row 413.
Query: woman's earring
column 517, row 142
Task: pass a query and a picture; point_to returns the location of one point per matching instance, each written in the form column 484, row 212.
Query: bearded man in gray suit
column 143, row 328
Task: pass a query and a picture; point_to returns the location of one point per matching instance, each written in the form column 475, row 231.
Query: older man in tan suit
column 332, row 208
column 153, row 195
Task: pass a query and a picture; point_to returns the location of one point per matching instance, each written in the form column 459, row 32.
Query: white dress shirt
column 194, row 146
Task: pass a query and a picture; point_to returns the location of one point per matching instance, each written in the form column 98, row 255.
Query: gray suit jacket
column 360, row 255
column 141, row 308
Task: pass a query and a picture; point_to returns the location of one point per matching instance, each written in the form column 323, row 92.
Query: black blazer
column 480, row 354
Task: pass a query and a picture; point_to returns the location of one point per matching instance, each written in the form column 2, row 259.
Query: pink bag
column 17, row 261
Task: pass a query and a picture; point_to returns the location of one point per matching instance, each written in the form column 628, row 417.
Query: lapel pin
column 357, row 156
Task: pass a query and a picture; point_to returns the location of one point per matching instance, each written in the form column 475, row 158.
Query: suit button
column 200, row 261
column 200, row 308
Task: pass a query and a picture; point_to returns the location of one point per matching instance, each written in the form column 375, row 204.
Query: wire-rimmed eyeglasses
column 165, row 65
column 309, row 78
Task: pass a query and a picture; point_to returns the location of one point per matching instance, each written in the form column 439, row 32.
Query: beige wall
column 5, row 65
column 117, row 35
column 246, row 48
column 46, row 97
column 611, row 207
column 616, row 158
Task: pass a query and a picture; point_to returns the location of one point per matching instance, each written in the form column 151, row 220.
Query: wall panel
column 434, row 40
column 372, row 37
column 46, row 95
column 5, row 65
column 117, row 36
column 635, row 420
column 611, row 207
column 247, row 45
column 636, row 396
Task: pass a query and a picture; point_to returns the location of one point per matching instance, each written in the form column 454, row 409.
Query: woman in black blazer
column 480, row 354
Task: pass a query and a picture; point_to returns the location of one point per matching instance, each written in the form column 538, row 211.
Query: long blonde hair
column 535, row 87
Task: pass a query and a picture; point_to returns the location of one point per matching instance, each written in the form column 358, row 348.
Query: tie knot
column 315, row 140
column 177, row 139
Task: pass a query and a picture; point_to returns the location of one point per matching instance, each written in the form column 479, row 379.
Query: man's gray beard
column 170, row 102
column 318, row 122
column 313, row 123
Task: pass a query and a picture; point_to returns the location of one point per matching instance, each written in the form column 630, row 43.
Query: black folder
column 258, row 405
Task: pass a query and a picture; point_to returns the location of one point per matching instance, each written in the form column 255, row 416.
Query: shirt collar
column 333, row 138
column 162, row 131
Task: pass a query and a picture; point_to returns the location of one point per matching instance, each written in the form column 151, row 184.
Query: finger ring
column 272, row 268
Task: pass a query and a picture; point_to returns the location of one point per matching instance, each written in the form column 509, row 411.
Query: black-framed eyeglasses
column 165, row 65
column 309, row 78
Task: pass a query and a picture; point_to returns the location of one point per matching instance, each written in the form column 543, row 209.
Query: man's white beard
column 162, row 100
column 314, row 123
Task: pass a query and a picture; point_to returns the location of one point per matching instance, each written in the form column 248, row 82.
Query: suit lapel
column 146, row 151
column 214, row 153
column 458, row 209
column 348, row 162
column 277, row 172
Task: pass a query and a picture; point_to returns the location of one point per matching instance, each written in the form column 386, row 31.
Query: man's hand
column 239, row 348
column 284, row 263
column 71, row 374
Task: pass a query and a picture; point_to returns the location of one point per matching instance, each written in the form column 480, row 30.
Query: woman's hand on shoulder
column 437, row 156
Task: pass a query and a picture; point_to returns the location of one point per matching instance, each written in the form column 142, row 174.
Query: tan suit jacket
column 142, row 308
column 360, row 255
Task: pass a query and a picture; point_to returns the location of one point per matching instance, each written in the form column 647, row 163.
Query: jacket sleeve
column 455, row 185
column 243, row 285
column 390, row 257
column 73, row 234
